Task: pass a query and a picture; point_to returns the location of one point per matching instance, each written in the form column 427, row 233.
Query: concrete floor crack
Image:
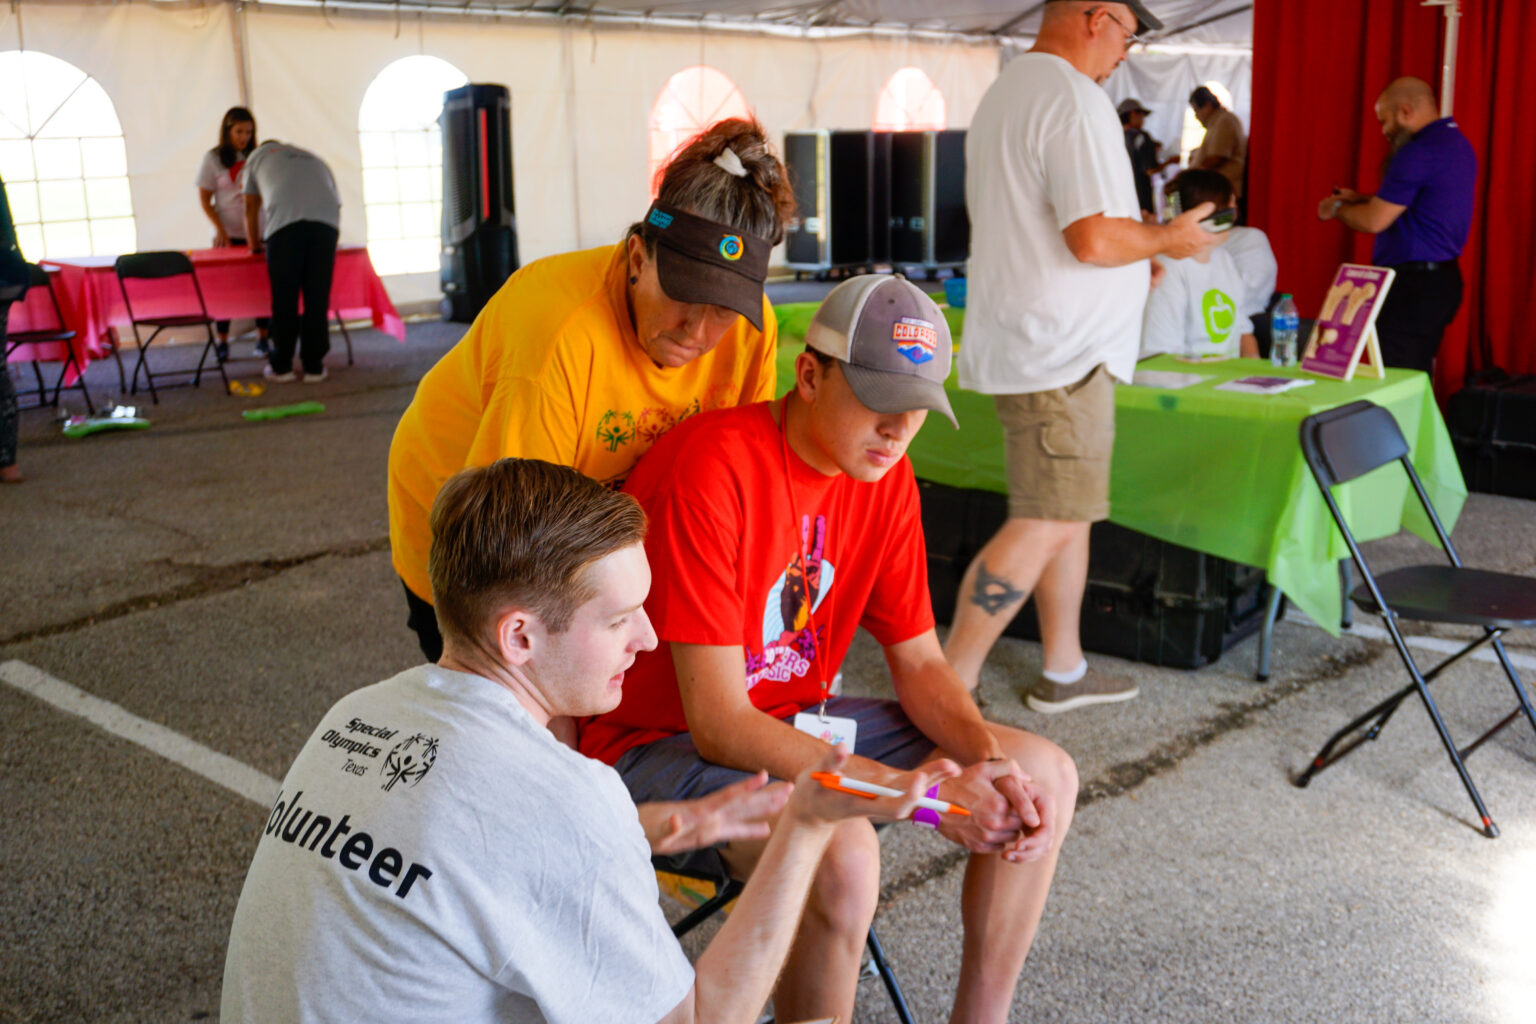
column 208, row 580
column 1119, row 779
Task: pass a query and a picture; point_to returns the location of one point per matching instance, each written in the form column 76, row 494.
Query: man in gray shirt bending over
column 303, row 218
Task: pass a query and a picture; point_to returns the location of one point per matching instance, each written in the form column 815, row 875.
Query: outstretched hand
column 739, row 811
column 813, row 803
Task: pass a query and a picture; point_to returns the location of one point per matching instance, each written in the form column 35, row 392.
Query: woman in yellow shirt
column 586, row 358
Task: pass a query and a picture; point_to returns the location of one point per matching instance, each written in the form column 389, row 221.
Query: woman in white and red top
column 218, row 191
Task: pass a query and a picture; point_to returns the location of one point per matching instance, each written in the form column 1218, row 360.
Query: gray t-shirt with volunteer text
column 435, row 855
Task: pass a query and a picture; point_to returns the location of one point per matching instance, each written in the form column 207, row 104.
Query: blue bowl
column 954, row 292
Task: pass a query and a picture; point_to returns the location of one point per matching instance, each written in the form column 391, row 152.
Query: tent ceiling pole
column 1448, row 63
column 242, row 64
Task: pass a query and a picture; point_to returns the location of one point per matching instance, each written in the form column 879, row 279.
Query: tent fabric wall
column 1163, row 82
column 581, row 99
column 169, row 107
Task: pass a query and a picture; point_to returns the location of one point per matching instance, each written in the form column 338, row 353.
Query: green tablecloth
column 1217, row 471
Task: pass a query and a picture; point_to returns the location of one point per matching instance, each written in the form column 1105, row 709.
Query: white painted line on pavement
column 1428, row 643
column 210, row 764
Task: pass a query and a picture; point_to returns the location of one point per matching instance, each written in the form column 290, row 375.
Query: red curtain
column 1318, row 66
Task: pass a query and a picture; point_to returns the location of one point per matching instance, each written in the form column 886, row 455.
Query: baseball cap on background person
column 1131, row 105
column 699, row 260
column 1145, row 21
column 892, row 342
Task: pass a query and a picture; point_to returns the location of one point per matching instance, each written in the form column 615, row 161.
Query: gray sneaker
column 1048, row 698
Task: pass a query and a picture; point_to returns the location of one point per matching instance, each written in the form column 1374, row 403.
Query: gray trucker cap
column 892, row 341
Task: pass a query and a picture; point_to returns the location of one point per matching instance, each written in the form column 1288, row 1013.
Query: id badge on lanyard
column 828, row 728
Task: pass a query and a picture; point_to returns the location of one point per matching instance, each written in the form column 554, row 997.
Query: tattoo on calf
column 993, row 593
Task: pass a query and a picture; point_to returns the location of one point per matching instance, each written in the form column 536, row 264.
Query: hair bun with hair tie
column 730, row 163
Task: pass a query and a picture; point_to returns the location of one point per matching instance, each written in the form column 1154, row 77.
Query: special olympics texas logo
column 731, row 247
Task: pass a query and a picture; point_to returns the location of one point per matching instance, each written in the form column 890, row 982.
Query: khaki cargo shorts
column 1058, row 445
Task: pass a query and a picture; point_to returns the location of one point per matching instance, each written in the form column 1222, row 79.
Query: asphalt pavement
column 222, row 582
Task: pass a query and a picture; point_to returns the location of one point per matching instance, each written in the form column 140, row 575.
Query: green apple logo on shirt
column 1219, row 314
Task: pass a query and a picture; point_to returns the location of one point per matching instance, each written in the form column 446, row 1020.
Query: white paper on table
column 1169, row 379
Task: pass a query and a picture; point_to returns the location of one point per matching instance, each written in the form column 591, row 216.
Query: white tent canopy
column 1208, row 22
column 585, row 81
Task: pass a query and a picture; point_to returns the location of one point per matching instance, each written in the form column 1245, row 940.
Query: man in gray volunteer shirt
column 303, row 210
column 436, row 855
column 1059, row 271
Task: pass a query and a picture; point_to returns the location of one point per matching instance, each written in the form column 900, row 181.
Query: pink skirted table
column 234, row 285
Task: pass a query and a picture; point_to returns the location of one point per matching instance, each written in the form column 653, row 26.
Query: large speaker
column 929, row 226
column 841, row 196
column 479, row 222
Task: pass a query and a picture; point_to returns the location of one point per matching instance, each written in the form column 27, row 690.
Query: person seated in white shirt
column 1250, row 250
column 1198, row 309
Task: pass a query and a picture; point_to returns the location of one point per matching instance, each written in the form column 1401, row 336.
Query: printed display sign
column 1344, row 336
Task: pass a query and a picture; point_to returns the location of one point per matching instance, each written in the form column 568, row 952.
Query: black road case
column 929, row 226
column 1492, row 423
column 1146, row 600
column 842, row 201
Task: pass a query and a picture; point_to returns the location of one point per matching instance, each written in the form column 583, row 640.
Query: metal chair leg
column 117, row 354
column 85, row 392
column 1346, row 584
column 892, row 986
column 1515, row 682
column 1267, row 633
column 346, row 336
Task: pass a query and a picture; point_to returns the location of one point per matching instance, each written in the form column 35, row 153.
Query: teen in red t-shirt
column 776, row 530
column 729, row 572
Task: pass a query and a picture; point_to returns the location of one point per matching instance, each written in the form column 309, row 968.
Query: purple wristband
column 927, row 816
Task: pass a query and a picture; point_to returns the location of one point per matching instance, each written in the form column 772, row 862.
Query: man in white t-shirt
column 1059, row 272
column 1198, row 309
column 436, row 855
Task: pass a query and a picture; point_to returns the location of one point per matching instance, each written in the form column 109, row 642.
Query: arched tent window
column 692, row 100
column 909, row 101
column 63, row 160
column 1194, row 131
column 402, row 148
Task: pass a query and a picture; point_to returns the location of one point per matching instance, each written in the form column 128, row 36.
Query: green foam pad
column 277, row 412
column 84, row 428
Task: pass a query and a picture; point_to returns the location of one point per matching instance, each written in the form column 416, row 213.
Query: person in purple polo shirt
column 1420, row 216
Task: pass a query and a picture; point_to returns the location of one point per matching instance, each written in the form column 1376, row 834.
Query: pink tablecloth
column 234, row 285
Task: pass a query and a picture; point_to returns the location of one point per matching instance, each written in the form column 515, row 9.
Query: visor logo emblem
column 731, row 247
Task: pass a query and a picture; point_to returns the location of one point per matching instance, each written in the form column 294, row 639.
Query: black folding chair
column 1345, row 443
column 716, row 893
column 56, row 332
column 159, row 266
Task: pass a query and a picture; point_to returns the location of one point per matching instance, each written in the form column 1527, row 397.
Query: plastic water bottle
column 1284, row 325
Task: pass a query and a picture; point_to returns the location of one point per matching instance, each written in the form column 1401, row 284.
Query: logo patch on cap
column 914, row 338
column 660, row 219
column 731, row 247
